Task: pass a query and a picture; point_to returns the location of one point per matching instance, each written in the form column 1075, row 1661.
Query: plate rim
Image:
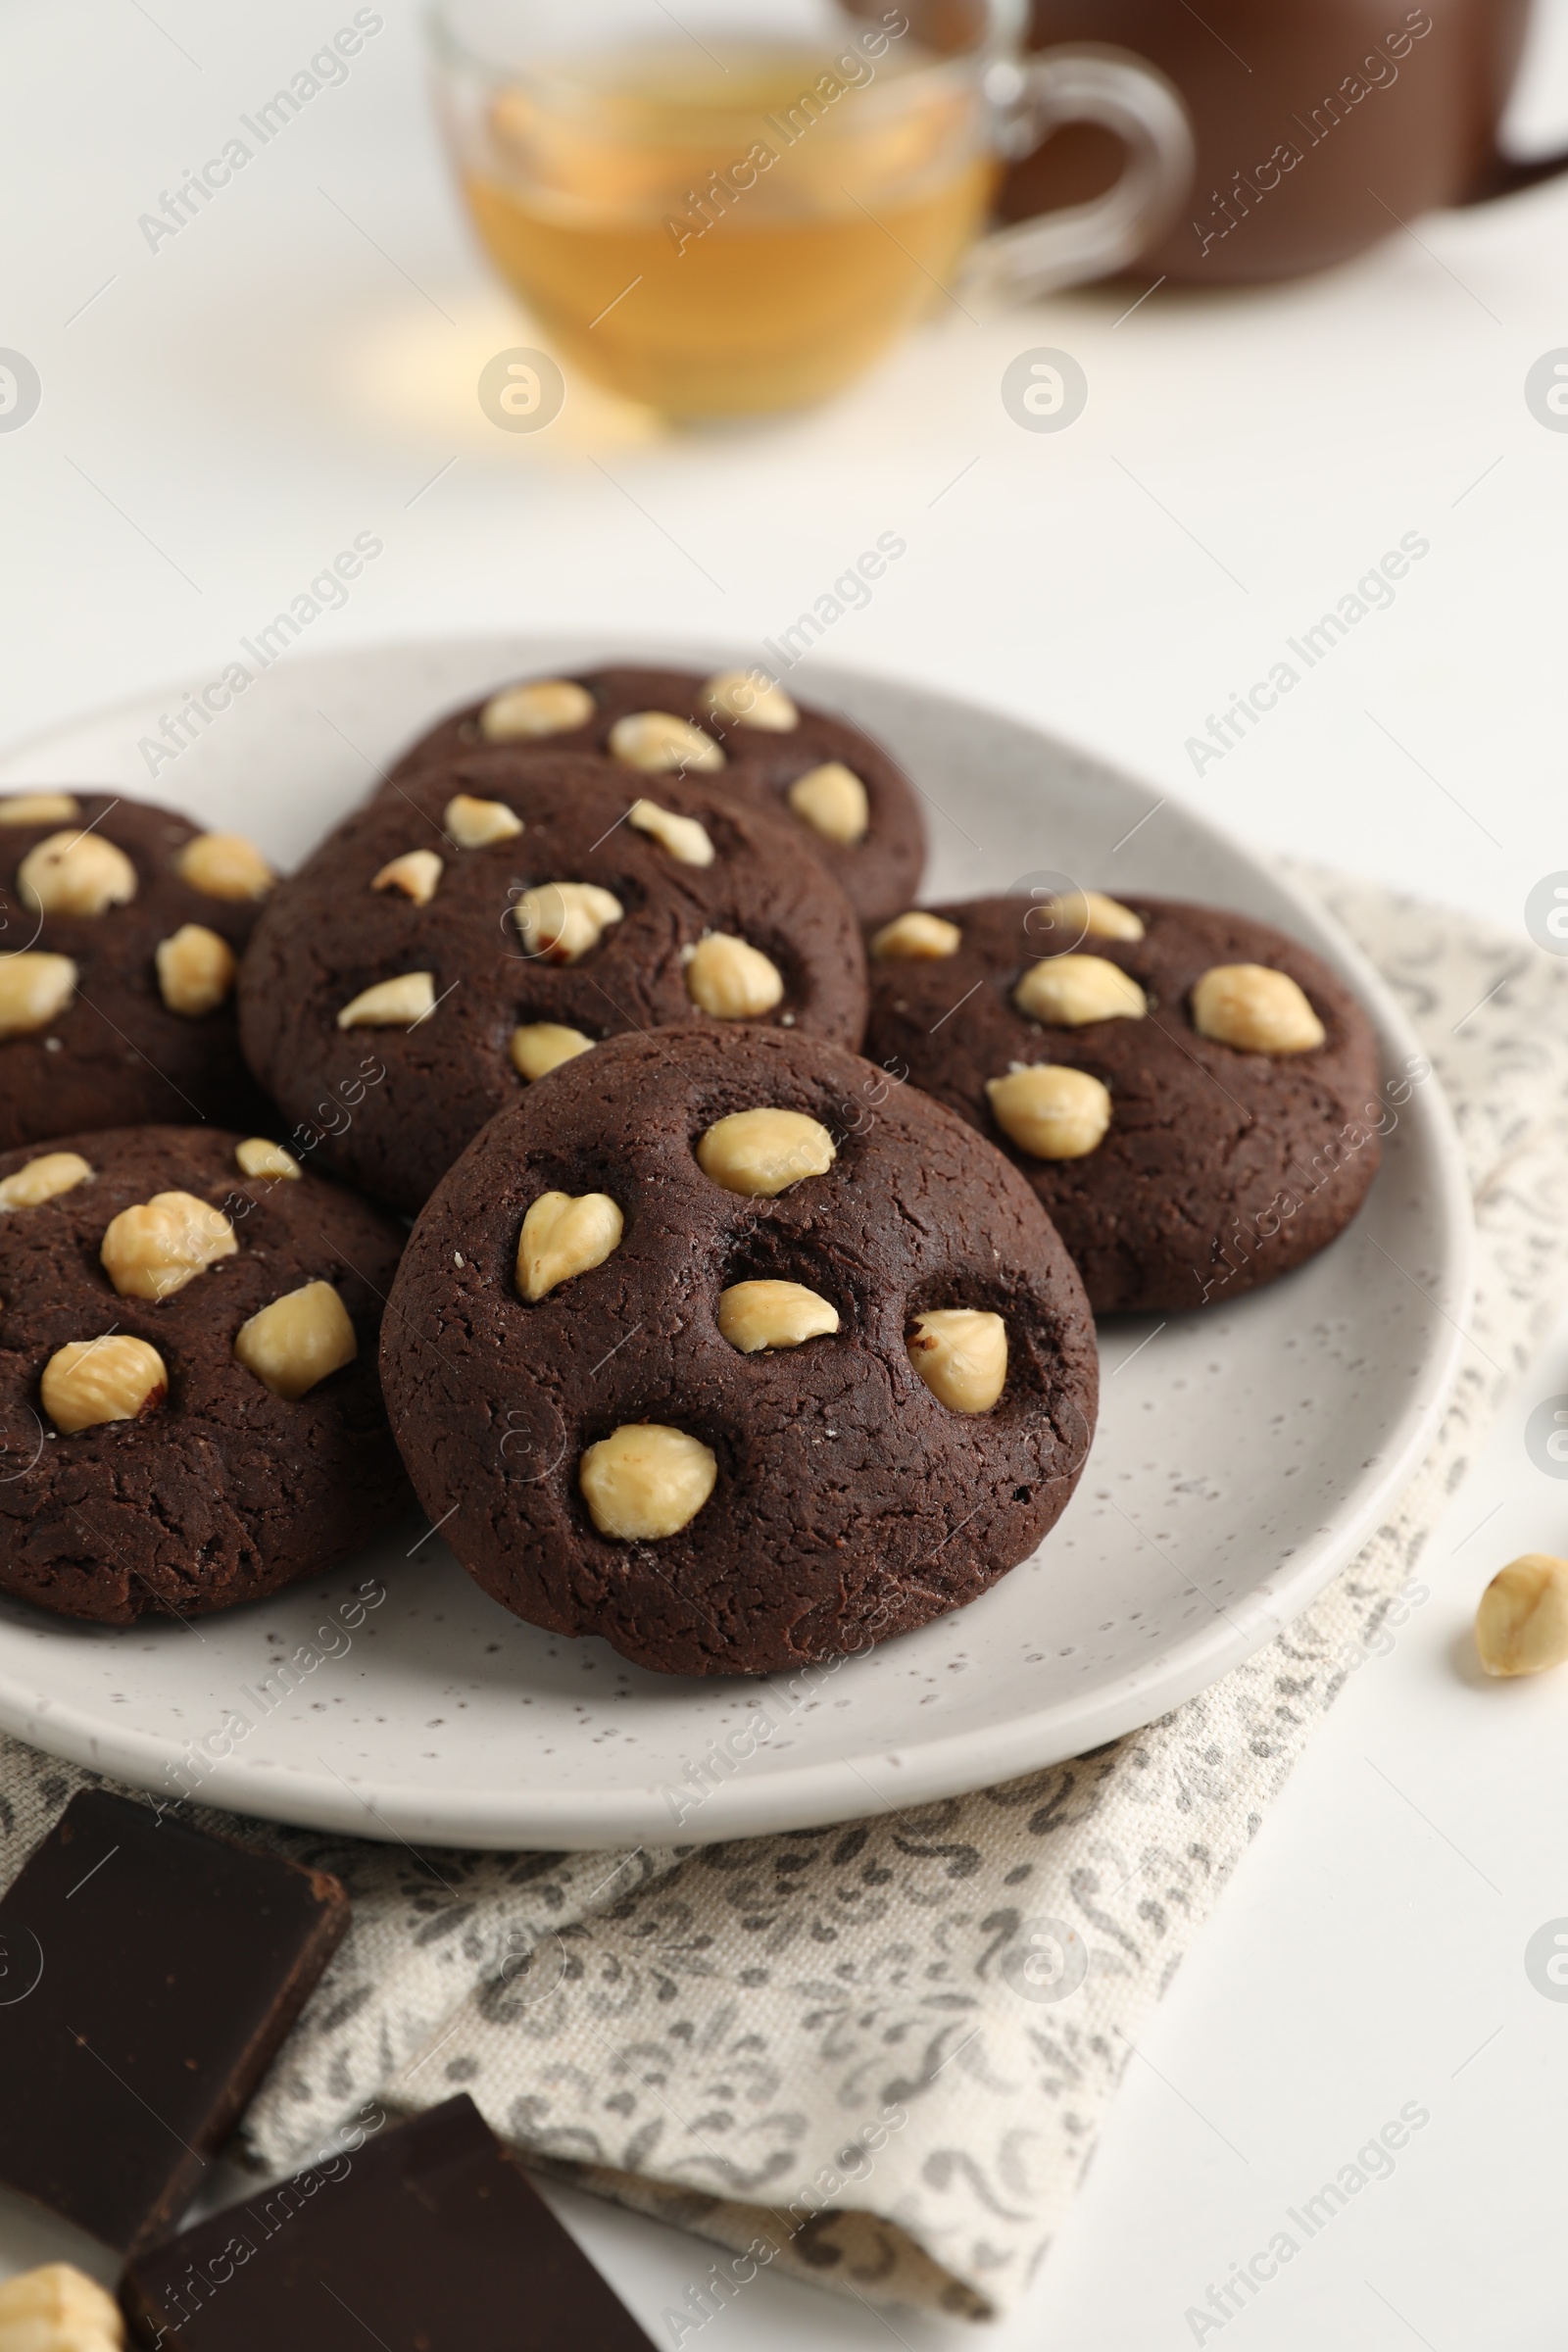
column 829, row 1790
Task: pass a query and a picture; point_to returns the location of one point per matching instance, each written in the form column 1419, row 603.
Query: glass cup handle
column 1089, row 83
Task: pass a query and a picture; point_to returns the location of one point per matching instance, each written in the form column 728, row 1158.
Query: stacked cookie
column 845, row 800
column 498, row 915
column 721, row 1347
column 711, row 1336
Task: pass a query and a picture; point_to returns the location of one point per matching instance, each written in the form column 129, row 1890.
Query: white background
column 298, row 364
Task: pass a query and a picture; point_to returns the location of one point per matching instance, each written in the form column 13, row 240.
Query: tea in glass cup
column 739, row 212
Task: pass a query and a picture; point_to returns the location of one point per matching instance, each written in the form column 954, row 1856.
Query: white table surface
column 298, row 364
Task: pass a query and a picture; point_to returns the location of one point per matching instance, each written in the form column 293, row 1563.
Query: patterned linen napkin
column 877, row 2055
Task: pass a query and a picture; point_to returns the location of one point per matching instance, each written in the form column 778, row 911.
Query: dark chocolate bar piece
column 151, row 1971
column 427, row 2239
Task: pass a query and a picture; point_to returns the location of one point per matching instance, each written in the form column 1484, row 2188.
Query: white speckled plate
column 1241, row 1458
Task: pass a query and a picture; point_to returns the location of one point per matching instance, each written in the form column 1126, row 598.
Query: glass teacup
column 738, row 210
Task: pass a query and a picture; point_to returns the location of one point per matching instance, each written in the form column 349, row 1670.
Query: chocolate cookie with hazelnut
column 1194, row 1097
column 844, row 797
column 190, row 1413
column 121, row 925
column 492, row 919
column 738, row 1352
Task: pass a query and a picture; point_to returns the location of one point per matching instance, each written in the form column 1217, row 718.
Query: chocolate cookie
column 735, row 1351
column 495, row 916
column 849, row 803
column 190, row 1413
column 120, row 929
column 1192, row 1095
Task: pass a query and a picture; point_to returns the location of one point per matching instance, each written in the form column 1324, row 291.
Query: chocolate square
column 428, row 2236
column 155, row 1972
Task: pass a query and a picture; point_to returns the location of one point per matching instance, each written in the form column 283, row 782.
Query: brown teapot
column 1321, row 125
